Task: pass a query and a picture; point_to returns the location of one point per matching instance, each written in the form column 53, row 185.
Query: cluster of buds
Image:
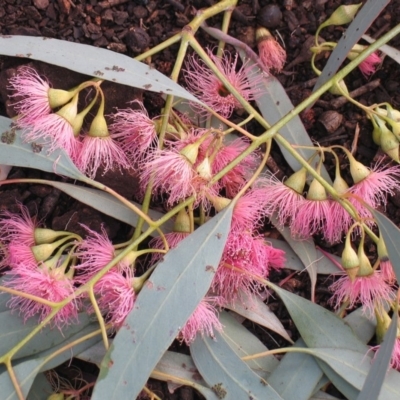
column 386, row 133
column 362, row 282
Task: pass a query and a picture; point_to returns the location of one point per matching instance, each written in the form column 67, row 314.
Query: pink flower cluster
column 128, row 137
column 326, row 216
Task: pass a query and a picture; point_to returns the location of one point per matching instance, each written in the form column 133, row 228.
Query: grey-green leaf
column 391, row 237
column 26, row 369
column 377, row 373
column 92, row 61
column 354, row 367
column 227, row 375
column 41, row 388
column 13, row 329
column 107, row 204
column 163, row 306
column 254, row 309
column 244, row 343
column 296, row 375
column 22, row 154
column 317, row 326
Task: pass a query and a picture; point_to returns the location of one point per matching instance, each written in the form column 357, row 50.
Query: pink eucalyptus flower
column 100, row 151
column 115, row 295
column 34, row 92
column 395, row 360
column 19, row 254
column 314, row 216
column 374, row 188
column 369, row 290
column 49, row 284
column 204, row 84
column 20, row 227
column 172, row 238
column 234, row 180
column 135, row 130
column 271, row 53
column 94, row 253
column 173, row 174
column 369, row 65
column 281, row 200
column 53, row 131
column 204, row 321
column 248, row 254
column 387, row 271
column 334, row 232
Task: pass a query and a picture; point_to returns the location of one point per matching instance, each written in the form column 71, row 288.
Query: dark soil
column 130, row 27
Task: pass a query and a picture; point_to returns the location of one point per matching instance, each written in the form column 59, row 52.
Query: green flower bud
column 297, row 181
column 350, row 261
column 44, row 235
column 70, row 110
column 59, row 97
column 342, row 15
column 316, row 191
column 99, row 127
column 182, row 222
column 358, row 170
column 204, row 169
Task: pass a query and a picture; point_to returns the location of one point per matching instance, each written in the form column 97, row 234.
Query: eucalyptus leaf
column 354, row 367
column 324, row 265
column 317, row 326
column 391, row 236
column 26, row 369
column 179, row 369
column 376, row 375
column 254, row 309
column 13, row 329
column 227, row 375
column 92, row 61
column 4, row 298
column 306, row 251
column 40, row 389
column 244, row 343
column 162, row 307
column 323, row 396
column 296, row 375
column 364, row 18
column 108, row 204
column 13, row 151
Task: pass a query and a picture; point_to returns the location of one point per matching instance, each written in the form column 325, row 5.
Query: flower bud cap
column 59, row 97
column 44, row 235
column 182, row 222
column 297, row 181
column 99, row 127
column 316, row 191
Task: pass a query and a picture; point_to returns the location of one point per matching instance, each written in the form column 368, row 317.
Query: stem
column 225, row 25
column 14, row 380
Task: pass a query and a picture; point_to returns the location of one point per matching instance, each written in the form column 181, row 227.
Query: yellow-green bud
column 350, row 261
column 316, row 191
column 70, row 110
column 338, row 88
column 44, row 235
column 59, row 97
column 204, row 169
column 358, row 170
column 383, row 322
column 297, row 181
column 389, row 143
column 99, row 127
column 191, row 151
column 182, row 222
column 365, row 265
column 56, row 396
column 342, row 15
column 42, row 252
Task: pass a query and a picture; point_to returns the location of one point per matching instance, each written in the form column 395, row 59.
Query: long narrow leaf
column 227, row 375
column 376, row 375
column 13, row 151
column 163, row 306
column 92, row 61
column 391, row 237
